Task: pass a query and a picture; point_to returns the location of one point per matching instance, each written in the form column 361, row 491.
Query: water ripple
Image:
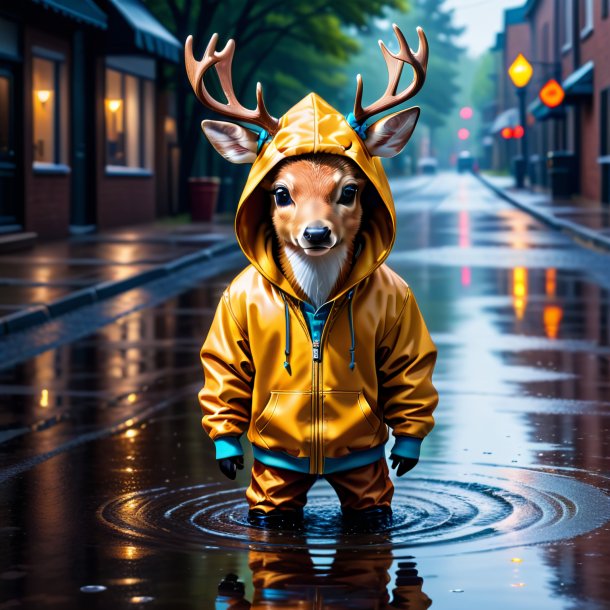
column 495, row 508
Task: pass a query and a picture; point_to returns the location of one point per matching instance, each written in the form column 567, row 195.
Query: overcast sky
column 483, row 20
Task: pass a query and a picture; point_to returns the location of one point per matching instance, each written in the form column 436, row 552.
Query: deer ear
column 388, row 136
column 234, row 142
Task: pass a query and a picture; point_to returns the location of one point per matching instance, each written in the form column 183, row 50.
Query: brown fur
column 314, row 182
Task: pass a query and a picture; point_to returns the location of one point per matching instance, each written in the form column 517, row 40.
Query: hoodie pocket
column 285, row 423
column 350, row 423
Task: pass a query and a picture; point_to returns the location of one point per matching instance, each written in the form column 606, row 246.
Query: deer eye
column 348, row 194
column 282, row 196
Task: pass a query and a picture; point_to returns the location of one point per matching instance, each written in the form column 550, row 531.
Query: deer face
column 315, row 203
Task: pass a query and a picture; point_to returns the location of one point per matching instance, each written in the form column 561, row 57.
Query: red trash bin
column 203, row 196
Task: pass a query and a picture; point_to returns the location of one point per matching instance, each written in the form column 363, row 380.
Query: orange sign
column 552, row 94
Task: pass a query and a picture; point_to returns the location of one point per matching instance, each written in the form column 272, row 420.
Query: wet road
column 108, row 481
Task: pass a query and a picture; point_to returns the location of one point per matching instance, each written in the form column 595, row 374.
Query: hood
column 313, row 126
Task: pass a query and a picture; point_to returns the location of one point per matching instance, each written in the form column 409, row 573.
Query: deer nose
column 316, row 235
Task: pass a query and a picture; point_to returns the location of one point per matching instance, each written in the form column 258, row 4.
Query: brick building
column 514, row 39
column 85, row 129
column 567, row 40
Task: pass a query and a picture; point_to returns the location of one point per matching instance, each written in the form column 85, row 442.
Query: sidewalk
column 590, row 225
column 55, row 277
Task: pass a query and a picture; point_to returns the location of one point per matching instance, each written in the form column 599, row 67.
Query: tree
column 291, row 47
column 438, row 96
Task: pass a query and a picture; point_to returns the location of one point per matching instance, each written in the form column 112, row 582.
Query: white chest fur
column 317, row 275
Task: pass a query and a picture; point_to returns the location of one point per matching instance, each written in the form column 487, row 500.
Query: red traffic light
column 552, row 94
column 518, row 132
column 463, row 133
column 507, row 133
column 466, row 112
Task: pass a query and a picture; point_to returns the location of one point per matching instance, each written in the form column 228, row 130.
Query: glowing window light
column 43, row 95
column 114, row 105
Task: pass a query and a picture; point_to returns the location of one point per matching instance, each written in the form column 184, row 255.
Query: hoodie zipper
column 316, row 465
column 317, row 406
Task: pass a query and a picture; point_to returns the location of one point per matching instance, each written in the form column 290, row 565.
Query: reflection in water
column 552, row 318
column 550, row 284
column 519, row 291
column 464, row 232
column 345, row 579
column 552, row 313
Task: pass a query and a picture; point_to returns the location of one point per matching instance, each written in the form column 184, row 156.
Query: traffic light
column 463, row 133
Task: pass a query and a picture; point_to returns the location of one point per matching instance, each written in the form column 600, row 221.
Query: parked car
column 427, row 165
column 465, row 162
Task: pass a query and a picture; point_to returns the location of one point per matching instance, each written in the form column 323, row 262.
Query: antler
column 223, row 60
column 418, row 61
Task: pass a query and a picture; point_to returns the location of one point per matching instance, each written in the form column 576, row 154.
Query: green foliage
column 438, row 96
column 291, row 47
column 483, row 90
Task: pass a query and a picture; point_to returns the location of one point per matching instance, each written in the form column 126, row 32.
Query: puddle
column 490, row 509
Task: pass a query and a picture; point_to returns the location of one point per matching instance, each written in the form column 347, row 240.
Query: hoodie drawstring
column 350, row 315
column 287, row 333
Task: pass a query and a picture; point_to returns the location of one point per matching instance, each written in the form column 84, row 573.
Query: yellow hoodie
column 302, row 405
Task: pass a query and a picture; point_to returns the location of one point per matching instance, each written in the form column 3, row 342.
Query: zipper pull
column 316, row 351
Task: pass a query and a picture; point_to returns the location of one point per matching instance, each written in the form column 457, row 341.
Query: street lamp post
column 520, row 178
column 520, row 73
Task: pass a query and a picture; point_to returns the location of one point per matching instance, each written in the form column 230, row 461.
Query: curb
column 37, row 314
column 580, row 233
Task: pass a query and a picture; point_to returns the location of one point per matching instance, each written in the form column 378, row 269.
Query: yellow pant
column 357, row 489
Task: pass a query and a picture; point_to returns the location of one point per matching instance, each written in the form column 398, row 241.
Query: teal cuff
column 227, row 446
column 279, row 459
column 407, row 447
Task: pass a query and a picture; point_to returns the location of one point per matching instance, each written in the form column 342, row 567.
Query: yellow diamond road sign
column 520, row 71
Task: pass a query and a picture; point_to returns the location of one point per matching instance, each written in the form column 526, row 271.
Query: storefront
column 80, row 86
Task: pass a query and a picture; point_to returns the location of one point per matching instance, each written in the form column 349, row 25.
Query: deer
column 316, row 220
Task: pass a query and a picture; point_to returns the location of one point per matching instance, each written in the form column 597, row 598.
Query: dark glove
column 230, row 586
column 229, row 466
column 402, row 464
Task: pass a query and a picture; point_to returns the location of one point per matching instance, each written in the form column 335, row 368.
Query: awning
column 542, row 112
column 145, row 32
column 508, row 118
column 580, row 82
column 83, row 11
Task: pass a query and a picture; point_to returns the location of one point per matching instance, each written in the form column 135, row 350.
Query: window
column 605, row 8
column 50, row 112
column 545, row 44
column 5, row 115
column 604, row 140
column 570, row 134
column 566, row 24
column 129, row 113
column 586, row 17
